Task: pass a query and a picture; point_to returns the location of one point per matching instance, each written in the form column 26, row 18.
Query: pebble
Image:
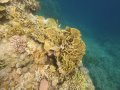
column 22, row 56
column 12, row 84
column 25, row 69
column 44, row 85
column 18, row 65
column 18, row 71
column 12, row 65
column 55, row 82
column 8, row 69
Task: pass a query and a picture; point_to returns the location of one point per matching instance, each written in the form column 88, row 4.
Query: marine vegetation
column 37, row 54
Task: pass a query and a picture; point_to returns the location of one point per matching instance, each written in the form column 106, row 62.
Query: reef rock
column 36, row 54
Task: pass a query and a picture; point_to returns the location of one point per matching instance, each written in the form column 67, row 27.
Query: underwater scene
column 59, row 45
column 99, row 23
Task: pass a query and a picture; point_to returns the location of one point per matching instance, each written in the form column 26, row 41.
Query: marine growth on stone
column 36, row 54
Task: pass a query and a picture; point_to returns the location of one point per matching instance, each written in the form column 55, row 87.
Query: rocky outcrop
column 35, row 51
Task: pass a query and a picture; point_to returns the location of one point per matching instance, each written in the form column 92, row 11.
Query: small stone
column 9, row 70
column 55, row 82
column 18, row 71
column 32, row 68
column 4, row 1
column 25, row 69
column 23, row 63
column 22, row 56
column 1, row 16
column 12, row 84
column 12, row 65
column 2, row 8
column 44, row 85
column 14, row 55
column 52, row 68
column 17, row 65
column 50, row 53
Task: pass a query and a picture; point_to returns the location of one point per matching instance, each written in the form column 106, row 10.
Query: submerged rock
column 4, row 1
column 35, row 53
column 44, row 85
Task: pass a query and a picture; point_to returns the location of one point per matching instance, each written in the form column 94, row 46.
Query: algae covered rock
column 35, row 51
column 78, row 81
column 4, row 1
column 2, row 11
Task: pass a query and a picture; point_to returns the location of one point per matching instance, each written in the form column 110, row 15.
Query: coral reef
column 3, row 11
column 35, row 51
column 78, row 81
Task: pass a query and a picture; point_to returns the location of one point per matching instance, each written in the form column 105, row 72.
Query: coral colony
column 36, row 54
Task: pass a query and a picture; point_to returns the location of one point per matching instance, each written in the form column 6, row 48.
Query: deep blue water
column 99, row 23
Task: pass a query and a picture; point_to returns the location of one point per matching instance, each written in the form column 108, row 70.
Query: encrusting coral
column 35, row 51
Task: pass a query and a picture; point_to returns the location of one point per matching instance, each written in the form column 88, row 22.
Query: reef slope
column 36, row 54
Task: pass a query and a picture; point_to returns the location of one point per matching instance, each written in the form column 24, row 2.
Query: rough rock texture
column 35, row 51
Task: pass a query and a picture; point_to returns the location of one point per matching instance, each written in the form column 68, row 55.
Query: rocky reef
column 36, row 54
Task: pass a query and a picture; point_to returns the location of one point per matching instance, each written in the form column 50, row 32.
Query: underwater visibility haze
column 59, row 44
column 99, row 22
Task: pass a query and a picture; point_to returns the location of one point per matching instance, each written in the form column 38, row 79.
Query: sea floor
column 102, row 61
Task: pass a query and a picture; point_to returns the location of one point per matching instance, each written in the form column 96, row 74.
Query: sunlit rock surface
column 36, row 54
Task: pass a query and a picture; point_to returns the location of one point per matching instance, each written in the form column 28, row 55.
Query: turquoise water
column 99, row 23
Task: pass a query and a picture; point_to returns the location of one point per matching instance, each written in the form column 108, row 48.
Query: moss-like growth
column 78, row 81
column 3, row 12
column 2, row 8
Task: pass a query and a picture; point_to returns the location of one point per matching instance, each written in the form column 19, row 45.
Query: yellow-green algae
column 34, row 49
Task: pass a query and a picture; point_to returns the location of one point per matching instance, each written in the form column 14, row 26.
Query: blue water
column 99, row 23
